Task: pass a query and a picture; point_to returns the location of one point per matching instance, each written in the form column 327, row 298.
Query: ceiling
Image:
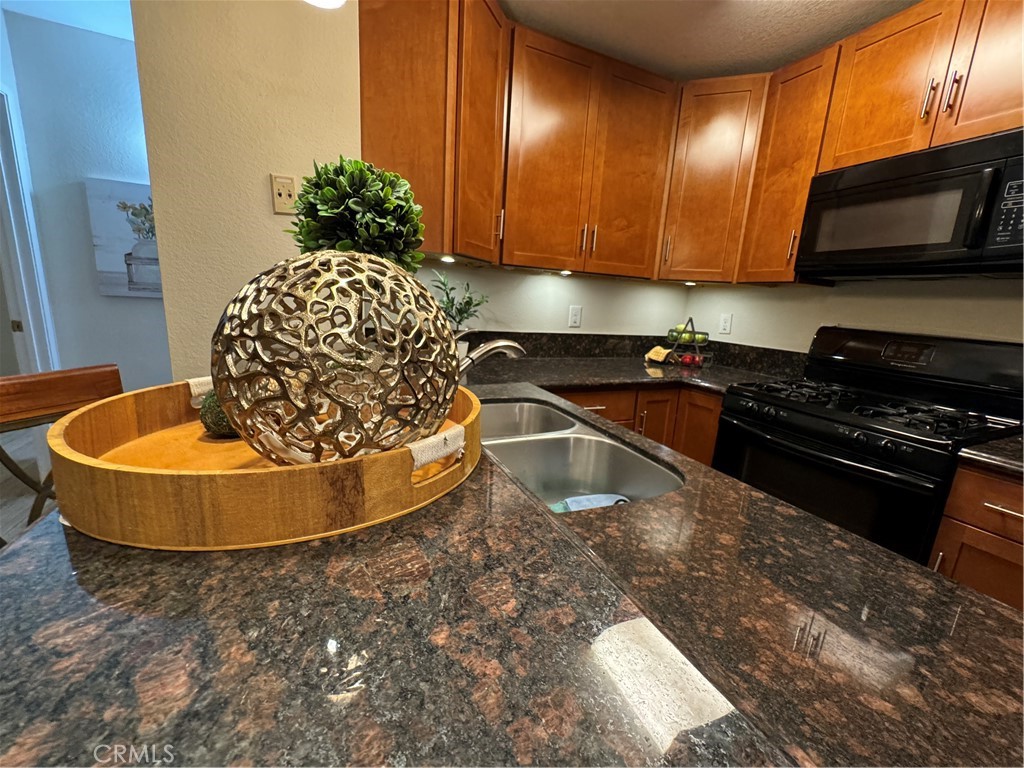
column 108, row 17
column 686, row 39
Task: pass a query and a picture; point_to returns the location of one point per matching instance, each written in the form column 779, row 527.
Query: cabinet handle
column 928, row 91
column 583, row 239
column 594, row 407
column 643, row 422
column 501, row 225
column 1004, row 510
column 792, row 239
column 952, row 88
column 938, row 561
column 666, row 249
column 593, row 240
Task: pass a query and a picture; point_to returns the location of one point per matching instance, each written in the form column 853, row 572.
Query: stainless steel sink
column 514, row 419
column 556, row 467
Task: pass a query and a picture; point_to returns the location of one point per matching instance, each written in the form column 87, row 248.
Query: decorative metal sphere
column 331, row 355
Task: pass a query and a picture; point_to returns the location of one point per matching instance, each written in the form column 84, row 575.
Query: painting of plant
column 124, row 238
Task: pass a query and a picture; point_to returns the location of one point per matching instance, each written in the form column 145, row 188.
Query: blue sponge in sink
column 594, row 500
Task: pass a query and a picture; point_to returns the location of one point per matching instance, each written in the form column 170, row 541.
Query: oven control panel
column 1007, row 226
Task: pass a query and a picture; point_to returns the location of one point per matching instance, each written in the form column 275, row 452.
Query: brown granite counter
column 1006, row 455
column 597, row 372
column 468, row 633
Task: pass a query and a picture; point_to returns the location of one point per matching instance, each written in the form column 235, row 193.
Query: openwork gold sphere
column 331, row 355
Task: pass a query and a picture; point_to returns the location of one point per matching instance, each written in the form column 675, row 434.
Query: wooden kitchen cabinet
column 787, row 156
column 618, row 405
column 395, row 94
column 656, row 413
column 552, row 125
column 710, row 184
column 888, row 85
column 984, row 88
column 636, row 116
column 439, row 122
column 979, row 539
column 589, row 142
column 696, row 427
column 484, row 39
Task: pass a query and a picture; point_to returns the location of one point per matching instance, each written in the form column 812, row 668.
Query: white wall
column 785, row 317
column 79, row 99
column 539, row 302
column 231, row 92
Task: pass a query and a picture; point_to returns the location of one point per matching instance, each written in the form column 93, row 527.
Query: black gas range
column 869, row 438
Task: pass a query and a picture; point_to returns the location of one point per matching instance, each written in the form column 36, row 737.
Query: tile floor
column 15, row 498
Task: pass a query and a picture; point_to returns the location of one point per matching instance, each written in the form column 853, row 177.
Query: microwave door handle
column 853, row 466
column 974, row 232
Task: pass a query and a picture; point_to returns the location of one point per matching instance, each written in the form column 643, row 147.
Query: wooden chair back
column 43, row 397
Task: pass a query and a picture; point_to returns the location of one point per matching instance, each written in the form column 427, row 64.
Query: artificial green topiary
column 353, row 206
column 213, row 417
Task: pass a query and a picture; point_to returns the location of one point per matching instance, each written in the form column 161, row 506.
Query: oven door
column 899, row 511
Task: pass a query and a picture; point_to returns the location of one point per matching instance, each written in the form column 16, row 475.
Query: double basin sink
column 558, row 458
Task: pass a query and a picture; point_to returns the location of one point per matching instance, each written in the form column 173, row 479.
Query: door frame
column 20, row 264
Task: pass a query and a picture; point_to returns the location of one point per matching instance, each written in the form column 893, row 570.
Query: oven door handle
column 896, row 478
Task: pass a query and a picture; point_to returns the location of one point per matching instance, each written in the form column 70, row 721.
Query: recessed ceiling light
column 329, row 5
column 448, row 259
column 689, row 283
column 565, row 273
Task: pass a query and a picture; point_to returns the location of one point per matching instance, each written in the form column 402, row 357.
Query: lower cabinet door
column 983, row 561
column 697, row 425
column 656, row 413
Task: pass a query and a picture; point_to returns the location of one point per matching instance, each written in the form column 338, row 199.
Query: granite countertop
column 474, row 631
column 1002, row 455
column 594, row 372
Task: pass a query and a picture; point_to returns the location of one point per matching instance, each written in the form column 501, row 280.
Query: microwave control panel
column 1007, row 227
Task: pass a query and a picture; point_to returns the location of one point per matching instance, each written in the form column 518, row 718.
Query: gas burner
column 806, row 391
column 923, row 417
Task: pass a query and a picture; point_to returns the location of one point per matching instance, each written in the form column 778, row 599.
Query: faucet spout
column 505, row 347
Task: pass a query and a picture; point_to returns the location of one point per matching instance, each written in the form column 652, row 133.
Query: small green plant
column 457, row 310
column 140, row 218
column 353, row 206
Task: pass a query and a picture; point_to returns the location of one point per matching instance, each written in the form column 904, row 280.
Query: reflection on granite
column 841, row 652
column 583, row 373
column 773, row 362
column 460, row 634
column 1002, row 455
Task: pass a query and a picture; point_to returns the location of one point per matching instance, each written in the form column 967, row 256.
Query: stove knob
column 860, row 438
column 888, row 446
column 752, row 407
column 769, row 412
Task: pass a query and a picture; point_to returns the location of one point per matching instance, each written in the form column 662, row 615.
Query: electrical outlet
column 725, row 323
column 575, row 316
column 282, row 188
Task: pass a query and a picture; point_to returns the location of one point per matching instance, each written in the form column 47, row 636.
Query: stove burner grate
column 923, row 417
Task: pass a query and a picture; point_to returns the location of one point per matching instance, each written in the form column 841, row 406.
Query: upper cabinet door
column 484, row 40
column 394, row 94
column 787, row 154
column 552, row 122
column 634, row 144
column 889, row 85
column 985, row 85
column 718, row 125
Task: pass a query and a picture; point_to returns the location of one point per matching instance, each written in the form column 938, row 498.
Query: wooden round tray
column 139, row 469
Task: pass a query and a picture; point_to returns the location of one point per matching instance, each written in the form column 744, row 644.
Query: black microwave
column 952, row 210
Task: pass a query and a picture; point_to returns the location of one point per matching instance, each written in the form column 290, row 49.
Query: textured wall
column 232, row 91
column 79, row 100
column 786, row 317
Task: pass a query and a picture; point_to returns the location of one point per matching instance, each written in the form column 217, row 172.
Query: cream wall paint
column 79, row 100
column 539, row 302
column 786, row 317
column 232, row 91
